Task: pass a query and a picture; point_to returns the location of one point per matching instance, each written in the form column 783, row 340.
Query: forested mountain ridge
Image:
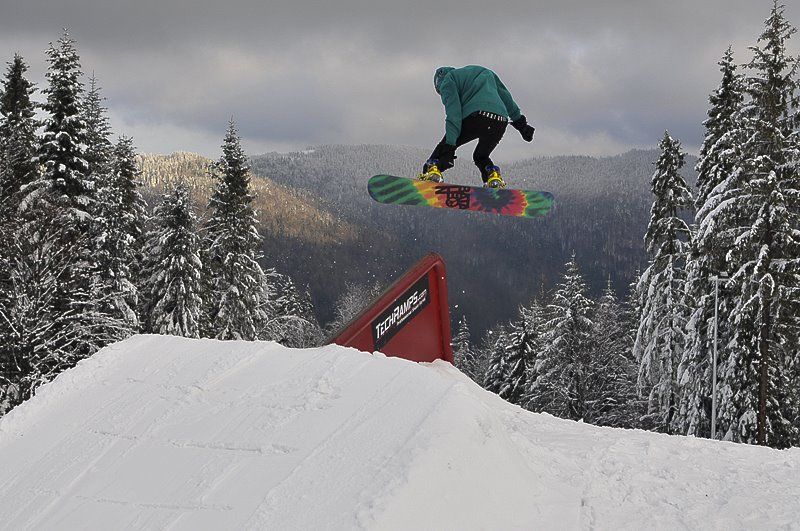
column 494, row 263
column 280, row 211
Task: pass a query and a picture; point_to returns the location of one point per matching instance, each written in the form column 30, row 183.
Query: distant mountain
column 281, row 211
column 320, row 226
column 494, row 263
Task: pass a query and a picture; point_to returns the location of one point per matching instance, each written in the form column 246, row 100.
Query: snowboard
column 393, row 190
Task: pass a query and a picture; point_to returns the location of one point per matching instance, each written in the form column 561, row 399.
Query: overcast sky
column 595, row 77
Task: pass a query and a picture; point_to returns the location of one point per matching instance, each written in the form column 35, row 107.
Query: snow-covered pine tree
column 17, row 139
column 718, row 160
column 527, row 337
column 126, row 174
column 495, row 375
column 41, row 339
column 564, row 365
column 17, row 169
column 64, row 187
column 290, row 314
column 172, row 270
column 632, row 303
column 231, row 249
column 759, row 208
column 104, row 287
column 63, row 198
column 714, row 163
column 613, row 395
column 463, row 352
column 661, row 337
column 521, row 345
column 118, row 234
column 483, row 352
column 99, row 146
column 291, row 301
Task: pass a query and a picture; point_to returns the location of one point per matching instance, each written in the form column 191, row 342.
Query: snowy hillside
column 159, row 432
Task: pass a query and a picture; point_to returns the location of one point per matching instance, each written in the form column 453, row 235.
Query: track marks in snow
column 373, row 426
column 274, row 449
column 167, row 506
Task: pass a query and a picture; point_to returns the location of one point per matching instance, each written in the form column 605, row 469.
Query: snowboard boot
column 430, row 172
column 493, row 178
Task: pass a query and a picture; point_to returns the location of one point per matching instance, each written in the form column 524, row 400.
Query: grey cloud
column 595, row 77
column 159, row 21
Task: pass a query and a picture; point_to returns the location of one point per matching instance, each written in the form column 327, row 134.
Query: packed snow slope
column 158, row 432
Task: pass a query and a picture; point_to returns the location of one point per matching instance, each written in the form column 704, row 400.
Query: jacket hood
column 439, row 76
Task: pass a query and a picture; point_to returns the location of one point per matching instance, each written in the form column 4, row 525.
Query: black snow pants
column 488, row 128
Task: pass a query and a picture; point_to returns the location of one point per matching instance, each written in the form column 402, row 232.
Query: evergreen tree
column 64, row 185
column 527, row 337
column 172, row 269
column 63, row 191
column 714, row 163
column 757, row 208
column 63, row 198
column 118, row 227
column 290, row 314
column 634, row 308
column 511, row 366
column 126, row 175
column 660, row 340
column 614, row 400
column 17, row 170
column 43, row 339
column 17, row 139
column 231, row 249
column 288, row 300
column 496, row 372
column 483, row 353
column 564, row 367
column 99, row 150
column 718, row 160
column 463, row 354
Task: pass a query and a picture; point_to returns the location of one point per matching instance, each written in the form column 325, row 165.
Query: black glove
column 525, row 130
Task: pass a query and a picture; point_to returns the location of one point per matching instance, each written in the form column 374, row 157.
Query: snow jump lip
column 162, row 432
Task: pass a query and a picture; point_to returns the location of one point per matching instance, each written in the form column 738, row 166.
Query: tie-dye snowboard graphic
column 504, row 201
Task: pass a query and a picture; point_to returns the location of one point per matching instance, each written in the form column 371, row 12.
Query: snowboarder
column 477, row 105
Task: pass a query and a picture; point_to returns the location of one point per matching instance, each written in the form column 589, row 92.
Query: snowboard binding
column 494, row 180
column 431, row 172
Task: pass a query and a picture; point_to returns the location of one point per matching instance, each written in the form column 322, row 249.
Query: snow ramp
column 161, row 432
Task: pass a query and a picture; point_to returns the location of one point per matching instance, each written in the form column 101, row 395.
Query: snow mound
column 158, row 432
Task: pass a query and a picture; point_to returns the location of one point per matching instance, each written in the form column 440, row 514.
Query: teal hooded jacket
column 470, row 89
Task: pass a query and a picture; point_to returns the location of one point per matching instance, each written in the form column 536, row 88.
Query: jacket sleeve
column 452, row 109
column 511, row 106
